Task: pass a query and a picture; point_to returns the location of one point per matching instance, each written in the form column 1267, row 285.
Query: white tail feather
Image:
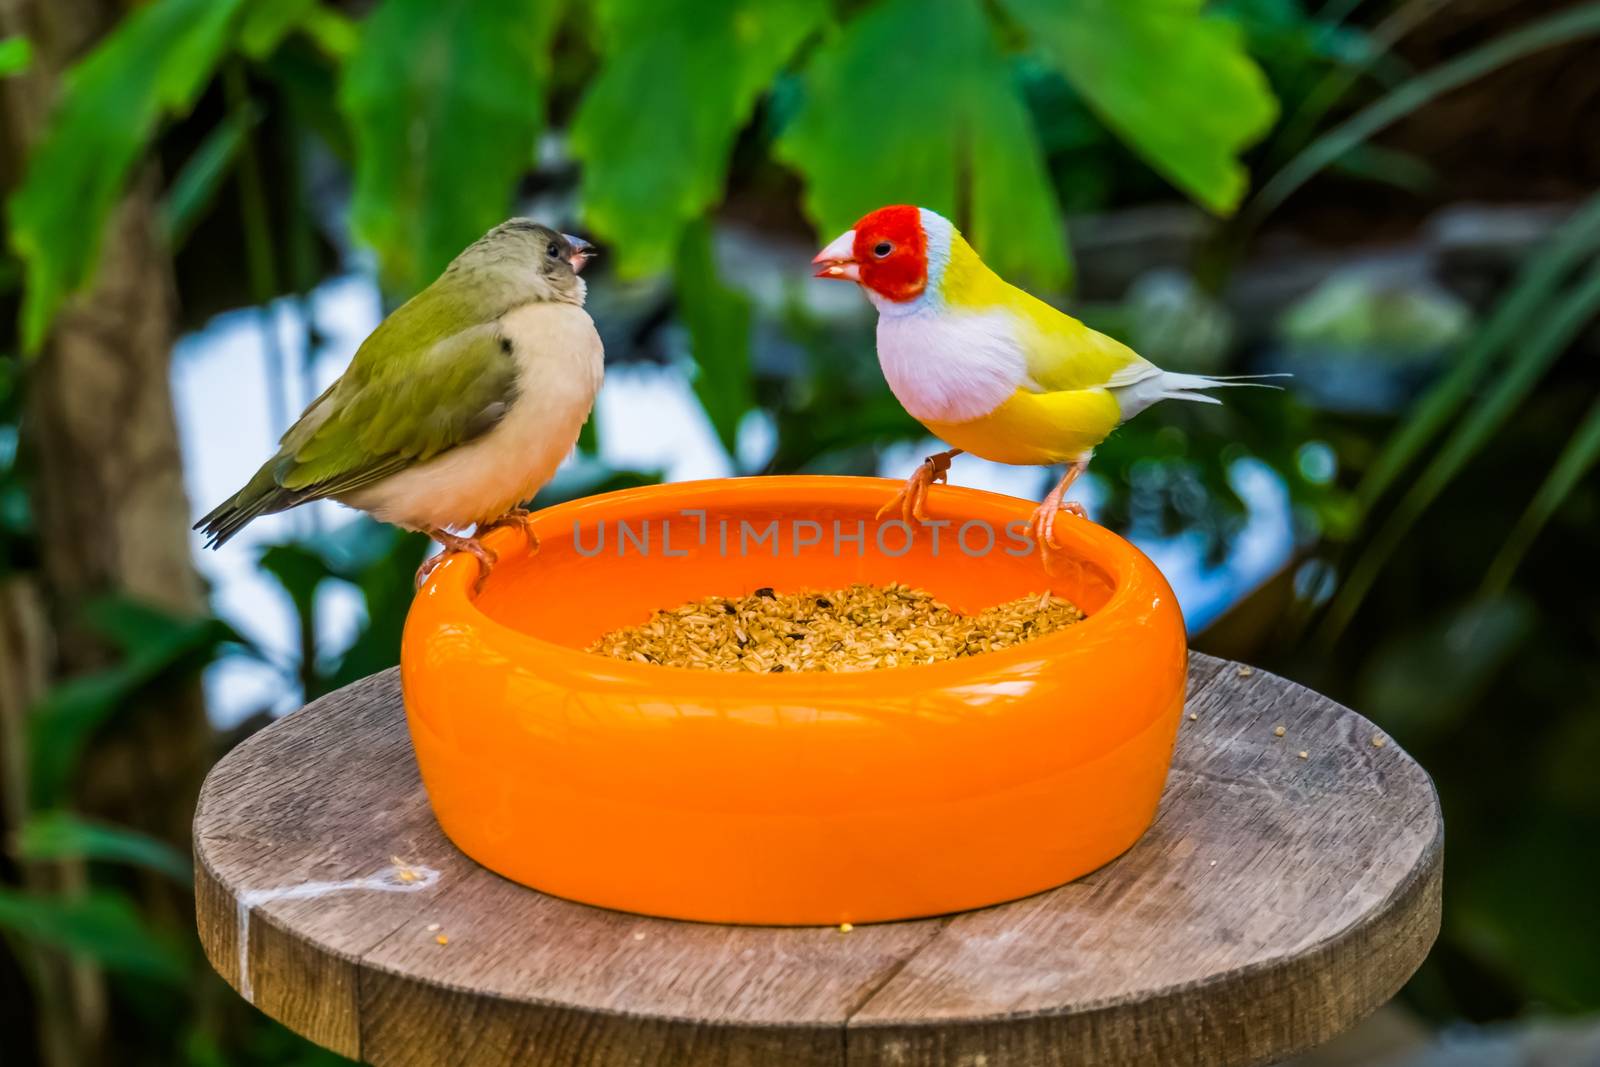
column 1171, row 380
column 1172, row 385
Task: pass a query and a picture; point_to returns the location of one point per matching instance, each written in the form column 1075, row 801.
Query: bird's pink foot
column 1042, row 523
column 912, row 500
column 522, row 519
column 471, row 545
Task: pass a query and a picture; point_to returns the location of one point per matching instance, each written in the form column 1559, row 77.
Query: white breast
column 950, row 366
column 559, row 366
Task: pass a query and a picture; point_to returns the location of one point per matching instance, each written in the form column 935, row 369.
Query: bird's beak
column 838, row 260
column 582, row 252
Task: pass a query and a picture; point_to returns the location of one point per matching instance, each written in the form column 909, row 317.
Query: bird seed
column 861, row 628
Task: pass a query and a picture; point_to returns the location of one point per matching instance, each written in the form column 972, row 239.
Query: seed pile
column 862, row 628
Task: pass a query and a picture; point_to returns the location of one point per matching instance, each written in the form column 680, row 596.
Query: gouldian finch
column 986, row 367
column 457, row 408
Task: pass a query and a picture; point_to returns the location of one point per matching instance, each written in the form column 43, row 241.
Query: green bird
column 456, row 409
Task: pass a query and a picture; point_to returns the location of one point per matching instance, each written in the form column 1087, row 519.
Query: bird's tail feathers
column 1184, row 394
column 1177, row 386
column 260, row 497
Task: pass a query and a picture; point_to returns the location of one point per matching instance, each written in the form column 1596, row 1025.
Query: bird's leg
column 1043, row 521
column 486, row 557
column 912, row 500
column 521, row 518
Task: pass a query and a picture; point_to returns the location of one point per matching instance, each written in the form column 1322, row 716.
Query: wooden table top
column 1278, row 898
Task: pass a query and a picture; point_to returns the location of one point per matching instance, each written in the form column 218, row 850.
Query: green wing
column 423, row 383
column 384, row 417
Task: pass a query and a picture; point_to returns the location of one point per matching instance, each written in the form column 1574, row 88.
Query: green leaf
column 589, row 437
column 62, row 723
column 380, row 561
column 901, row 106
column 1523, row 899
column 1389, row 166
column 102, row 926
column 1549, row 337
column 1574, row 464
column 656, row 126
column 334, row 32
column 196, row 183
column 56, row 835
column 1176, row 85
column 153, row 65
column 265, row 25
column 718, row 321
column 307, row 87
column 1571, row 24
column 150, row 638
column 446, row 101
column 1425, row 679
column 16, row 56
column 381, row 565
column 300, row 571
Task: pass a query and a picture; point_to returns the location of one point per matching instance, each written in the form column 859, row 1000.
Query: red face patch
column 892, row 252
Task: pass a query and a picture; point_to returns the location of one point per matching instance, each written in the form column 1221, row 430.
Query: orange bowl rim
column 1122, row 561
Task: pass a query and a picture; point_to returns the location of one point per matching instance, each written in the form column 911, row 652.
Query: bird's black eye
column 553, row 249
column 882, row 248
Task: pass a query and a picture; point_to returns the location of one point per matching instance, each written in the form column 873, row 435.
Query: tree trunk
column 70, row 1011
column 111, row 516
column 112, row 513
column 110, row 507
column 100, row 434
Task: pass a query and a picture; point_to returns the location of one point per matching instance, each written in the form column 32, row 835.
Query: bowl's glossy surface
column 801, row 797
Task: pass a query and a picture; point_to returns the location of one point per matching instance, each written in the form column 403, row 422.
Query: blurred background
column 209, row 203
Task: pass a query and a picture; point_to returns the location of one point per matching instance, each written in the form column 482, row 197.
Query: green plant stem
column 300, row 236
column 70, row 992
column 1577, row 459
column 1296, row 132
column 1576, row 239
column 260, row 261
column 1335, row 12
column 1573, row 24
column 1549, row 339
column 193, row 188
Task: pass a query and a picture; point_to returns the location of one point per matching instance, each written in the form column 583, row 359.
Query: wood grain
column 1275, row 902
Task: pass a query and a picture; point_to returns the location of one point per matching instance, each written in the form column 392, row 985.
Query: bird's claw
column 522, row 519
column 912, row 500
column 427, row 568
column 1042, row 525
column 485, row 556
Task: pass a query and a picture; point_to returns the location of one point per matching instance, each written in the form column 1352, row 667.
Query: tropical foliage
column 290, row 132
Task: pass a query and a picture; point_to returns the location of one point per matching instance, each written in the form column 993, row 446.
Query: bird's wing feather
column 389, row 413
column 1064, row 354
column 430, row 377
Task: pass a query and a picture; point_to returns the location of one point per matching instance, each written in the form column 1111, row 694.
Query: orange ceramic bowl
column 789, row 798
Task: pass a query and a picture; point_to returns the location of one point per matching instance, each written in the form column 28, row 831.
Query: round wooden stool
column 1289, row 886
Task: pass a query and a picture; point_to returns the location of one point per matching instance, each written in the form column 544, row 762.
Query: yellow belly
column 1036, row 428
